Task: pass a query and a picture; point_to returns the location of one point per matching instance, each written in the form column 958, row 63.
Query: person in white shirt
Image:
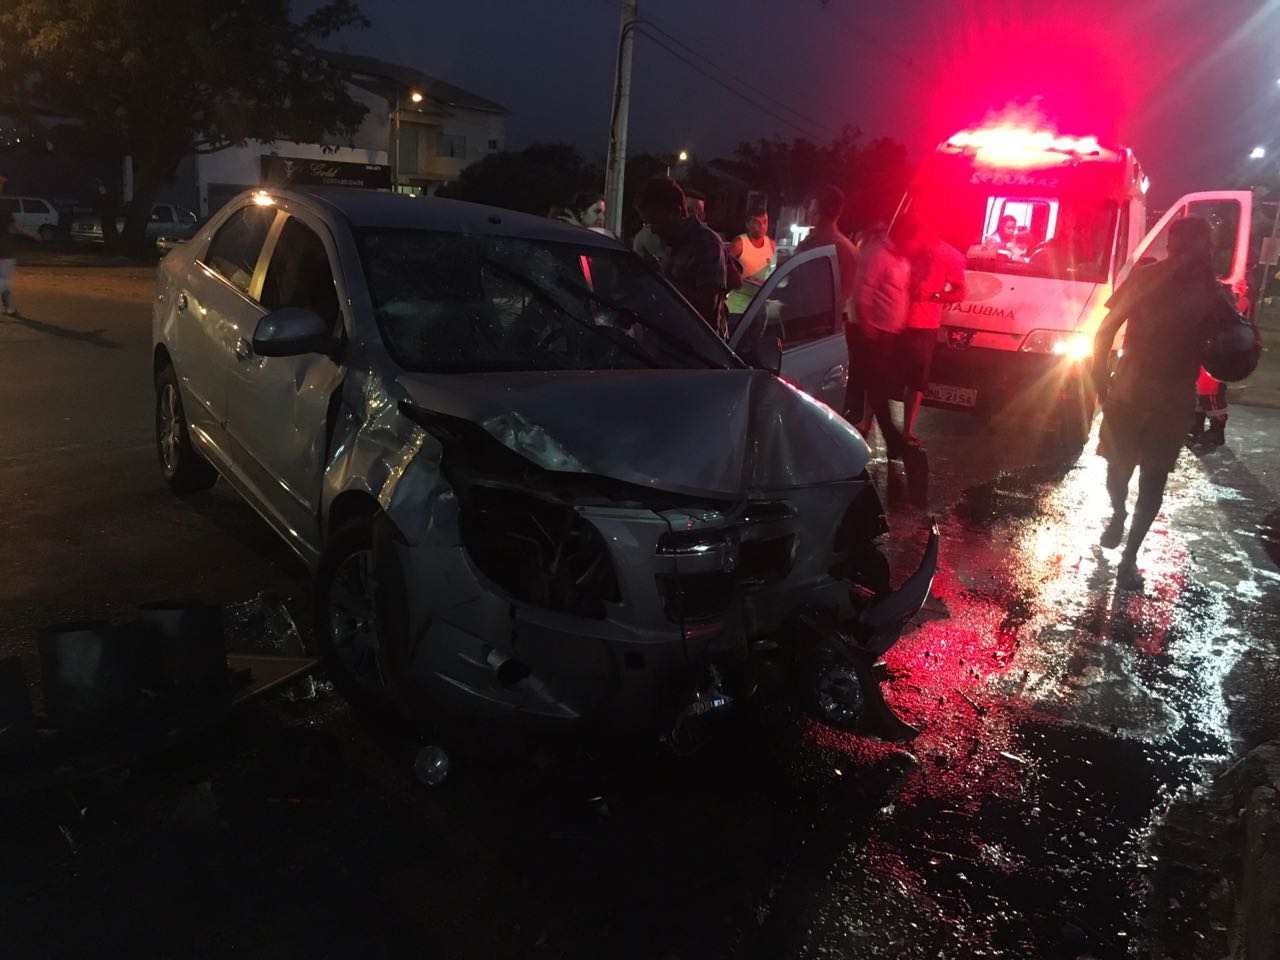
column 755, row 248
column 884, row 302
column 1005, row 233
column 937, row 278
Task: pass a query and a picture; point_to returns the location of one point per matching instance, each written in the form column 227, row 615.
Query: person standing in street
column 694, row 259
column 1148, row 401
column 755, row 248
column 8, row 256
column 937, row 278
column 104, row 207
column 585, row 209
column 825, row 210
column 884, row 302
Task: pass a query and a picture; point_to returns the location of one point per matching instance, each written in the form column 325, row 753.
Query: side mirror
column 294, row 332
column 766, row 354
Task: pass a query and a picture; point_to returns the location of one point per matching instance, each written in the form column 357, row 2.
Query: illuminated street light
column 683, row 156
column 1258, row 153
column 416, row 97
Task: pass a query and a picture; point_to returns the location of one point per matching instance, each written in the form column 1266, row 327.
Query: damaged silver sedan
column 529, row 480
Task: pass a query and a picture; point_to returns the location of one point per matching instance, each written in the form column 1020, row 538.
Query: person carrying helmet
column 1149, row 399
column 1209, row 428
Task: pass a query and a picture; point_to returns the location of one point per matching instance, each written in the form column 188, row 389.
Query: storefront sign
column 282, row 171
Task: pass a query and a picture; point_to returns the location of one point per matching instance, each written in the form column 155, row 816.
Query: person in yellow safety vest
column 754, row 249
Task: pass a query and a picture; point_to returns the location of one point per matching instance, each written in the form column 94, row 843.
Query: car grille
column 710, row 566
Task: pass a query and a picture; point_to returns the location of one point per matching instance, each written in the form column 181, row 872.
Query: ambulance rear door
column 1230, row 214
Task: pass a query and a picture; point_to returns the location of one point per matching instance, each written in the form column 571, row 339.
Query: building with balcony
column 433, row 129
column 418, row 134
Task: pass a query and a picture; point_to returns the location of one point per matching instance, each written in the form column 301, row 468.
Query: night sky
column 1189, row 84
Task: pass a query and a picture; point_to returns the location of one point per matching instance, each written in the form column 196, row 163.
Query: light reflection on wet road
column 1058, row 713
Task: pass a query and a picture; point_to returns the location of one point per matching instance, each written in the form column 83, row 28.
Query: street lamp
column 684, row 156
column 416, row 97
column 1258, row 153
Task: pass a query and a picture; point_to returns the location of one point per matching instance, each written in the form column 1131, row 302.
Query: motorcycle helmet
column 1232, row 346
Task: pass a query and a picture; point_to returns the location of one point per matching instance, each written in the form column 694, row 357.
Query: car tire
column 349, row 610
column 47, row 233
column 183, row 469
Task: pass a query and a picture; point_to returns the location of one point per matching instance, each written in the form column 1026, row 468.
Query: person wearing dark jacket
column 694, row 260
column 1149, row 400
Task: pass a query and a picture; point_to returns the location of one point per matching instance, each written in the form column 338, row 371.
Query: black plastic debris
column 17, row 722
column 90, row 672
column 182, row 645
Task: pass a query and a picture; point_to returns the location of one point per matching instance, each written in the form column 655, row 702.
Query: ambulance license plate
column 956, row 396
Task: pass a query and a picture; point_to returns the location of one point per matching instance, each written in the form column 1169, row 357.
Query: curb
column 80, row 261
column 1255, row 784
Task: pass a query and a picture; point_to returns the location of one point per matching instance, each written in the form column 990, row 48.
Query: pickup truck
column 167, row 220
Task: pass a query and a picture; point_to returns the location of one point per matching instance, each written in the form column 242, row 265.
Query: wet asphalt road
column 1059, row 721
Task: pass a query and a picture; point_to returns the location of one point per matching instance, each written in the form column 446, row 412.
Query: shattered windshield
column 453, row 303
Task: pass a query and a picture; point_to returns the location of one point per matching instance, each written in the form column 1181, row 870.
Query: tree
column 176, row 78
column 532, row 180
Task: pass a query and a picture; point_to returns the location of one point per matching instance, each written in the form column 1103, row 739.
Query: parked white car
column 32, row 216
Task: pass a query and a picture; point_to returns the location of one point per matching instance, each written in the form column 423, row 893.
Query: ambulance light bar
column 1007, row 146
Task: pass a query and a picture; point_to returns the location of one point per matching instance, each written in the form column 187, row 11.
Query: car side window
column 234, row 249
column 9, row 203
column 801, row 308
column 34, row 206
column 300, row 274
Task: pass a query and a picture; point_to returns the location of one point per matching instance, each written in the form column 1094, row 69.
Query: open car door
column 1230, row 214
column 800, row 304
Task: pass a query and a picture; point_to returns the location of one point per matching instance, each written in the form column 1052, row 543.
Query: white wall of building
column 235, row 169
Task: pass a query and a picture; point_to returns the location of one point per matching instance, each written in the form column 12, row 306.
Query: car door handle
column 244, row 350
column 834, row 377
column 182, row 301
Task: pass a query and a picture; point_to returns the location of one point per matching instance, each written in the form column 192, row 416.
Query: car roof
column 379, row 208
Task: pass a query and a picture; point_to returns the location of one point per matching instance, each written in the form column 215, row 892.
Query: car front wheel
column 349, row 635
column 46, row 233
column 184, row 470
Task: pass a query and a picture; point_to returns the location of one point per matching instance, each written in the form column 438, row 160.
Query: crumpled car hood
column 714, row 433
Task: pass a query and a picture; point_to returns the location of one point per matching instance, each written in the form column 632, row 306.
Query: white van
column 1049, row 226
column 32, row 216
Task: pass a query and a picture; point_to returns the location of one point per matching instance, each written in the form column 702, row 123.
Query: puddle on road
column 1059, row 715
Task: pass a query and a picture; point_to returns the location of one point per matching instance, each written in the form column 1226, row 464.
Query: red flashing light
column 1020, row 146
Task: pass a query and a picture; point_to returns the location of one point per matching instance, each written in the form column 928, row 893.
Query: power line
column 817, row 124
column 698, row 68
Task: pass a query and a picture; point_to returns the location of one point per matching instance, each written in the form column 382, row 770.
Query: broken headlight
column 531, row 441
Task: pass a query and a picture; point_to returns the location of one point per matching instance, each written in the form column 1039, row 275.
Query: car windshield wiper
column 618, row 338
column 665, row 336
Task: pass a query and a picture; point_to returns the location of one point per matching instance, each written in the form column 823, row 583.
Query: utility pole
column 617, row 162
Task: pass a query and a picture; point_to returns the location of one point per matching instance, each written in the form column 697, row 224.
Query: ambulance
column 1049, row 226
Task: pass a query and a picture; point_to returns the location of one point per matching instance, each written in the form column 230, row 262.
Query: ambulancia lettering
column 982, row 310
